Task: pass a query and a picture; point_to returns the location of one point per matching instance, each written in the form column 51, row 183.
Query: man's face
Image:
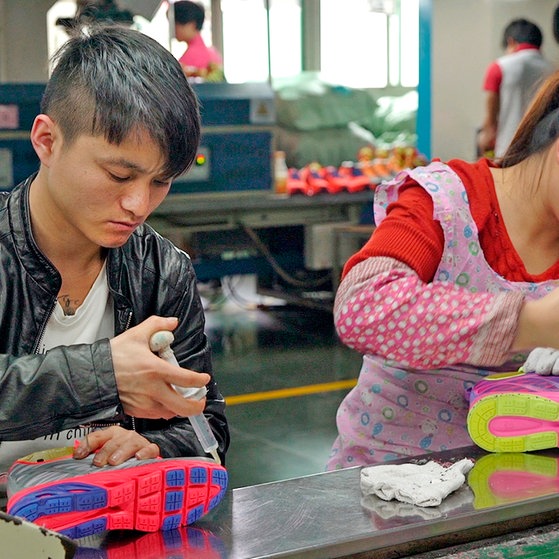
column 99, row 193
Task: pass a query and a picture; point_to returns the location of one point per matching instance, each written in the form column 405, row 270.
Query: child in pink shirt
column 199, row 60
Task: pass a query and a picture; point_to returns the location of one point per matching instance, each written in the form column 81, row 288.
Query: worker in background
column 200, row 60
column 510, row 83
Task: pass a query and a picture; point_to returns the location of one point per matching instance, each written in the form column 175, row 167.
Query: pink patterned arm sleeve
column 382, row 307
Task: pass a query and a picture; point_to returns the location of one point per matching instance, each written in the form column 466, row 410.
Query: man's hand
column 114, row 446
column 144, row 380
column 486, row 139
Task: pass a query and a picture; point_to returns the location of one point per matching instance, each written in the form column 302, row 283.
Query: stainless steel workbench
column 324, row 516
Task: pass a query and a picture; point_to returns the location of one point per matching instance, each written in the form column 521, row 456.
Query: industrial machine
column 235, row 152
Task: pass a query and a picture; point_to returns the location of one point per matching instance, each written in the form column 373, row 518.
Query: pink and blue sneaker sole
column 161, row 495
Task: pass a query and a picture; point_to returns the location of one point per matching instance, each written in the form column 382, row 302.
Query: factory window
column 354, row 43
column 357, row 43
column 361, row 43
column 370, row 43
column 408, row 38
column 256, row 44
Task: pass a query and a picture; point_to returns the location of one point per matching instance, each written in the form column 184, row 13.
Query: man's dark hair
column 523, row 31
column 185, row 12
column 115, row 82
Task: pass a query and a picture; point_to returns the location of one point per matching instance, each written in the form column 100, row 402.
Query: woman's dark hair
column 115, row 82
column 539, row 127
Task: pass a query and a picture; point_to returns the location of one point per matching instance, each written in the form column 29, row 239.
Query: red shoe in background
column 336, row 181
column 295, row 182
column 355, row 179
column 316, row 183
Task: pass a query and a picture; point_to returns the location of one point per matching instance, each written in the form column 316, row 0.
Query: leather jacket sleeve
column 67, row 386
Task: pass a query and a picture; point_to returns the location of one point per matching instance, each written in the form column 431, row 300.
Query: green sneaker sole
column 514, row 422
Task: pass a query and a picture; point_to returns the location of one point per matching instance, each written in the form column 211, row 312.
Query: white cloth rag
column 425, row 485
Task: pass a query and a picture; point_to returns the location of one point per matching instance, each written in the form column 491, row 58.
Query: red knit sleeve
column 408, row 233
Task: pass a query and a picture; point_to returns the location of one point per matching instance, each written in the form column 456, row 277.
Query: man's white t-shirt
column 93, row 320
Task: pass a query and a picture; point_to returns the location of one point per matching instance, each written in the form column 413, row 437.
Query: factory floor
column 283, row 373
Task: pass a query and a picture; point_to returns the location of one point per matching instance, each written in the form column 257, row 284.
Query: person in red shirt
column 510, row 83
column 457, row 281
column 199, row 60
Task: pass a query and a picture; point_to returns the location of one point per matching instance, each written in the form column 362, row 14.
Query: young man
column 199, row 60
column 510, row 83
column 85, row 282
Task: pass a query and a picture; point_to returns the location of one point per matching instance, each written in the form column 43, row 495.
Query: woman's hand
column 542, row 361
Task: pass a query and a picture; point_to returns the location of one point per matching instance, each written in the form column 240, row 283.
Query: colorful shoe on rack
column 515, row 412
column 295, row 183
column 315, row 182
column 77, row 499
column 355, row 178
column 504, row 478
column 336, row 181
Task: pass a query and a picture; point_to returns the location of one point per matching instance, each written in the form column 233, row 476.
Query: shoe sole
column 162, row 495
column 498, row 479
column 514, row 422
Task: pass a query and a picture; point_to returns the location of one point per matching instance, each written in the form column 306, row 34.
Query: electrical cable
column 278, row 269
column 233, row 294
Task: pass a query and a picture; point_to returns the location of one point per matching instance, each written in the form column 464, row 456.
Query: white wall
column 23, row 40
column 466, row 37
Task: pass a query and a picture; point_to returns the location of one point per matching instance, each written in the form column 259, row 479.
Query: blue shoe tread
column 61, row 498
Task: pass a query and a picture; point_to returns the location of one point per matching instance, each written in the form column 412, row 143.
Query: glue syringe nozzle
column 160, row 342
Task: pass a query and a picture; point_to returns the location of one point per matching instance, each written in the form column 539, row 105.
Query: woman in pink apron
column 457, row 282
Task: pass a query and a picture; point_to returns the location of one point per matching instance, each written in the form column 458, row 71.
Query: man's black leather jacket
column 70, row 386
